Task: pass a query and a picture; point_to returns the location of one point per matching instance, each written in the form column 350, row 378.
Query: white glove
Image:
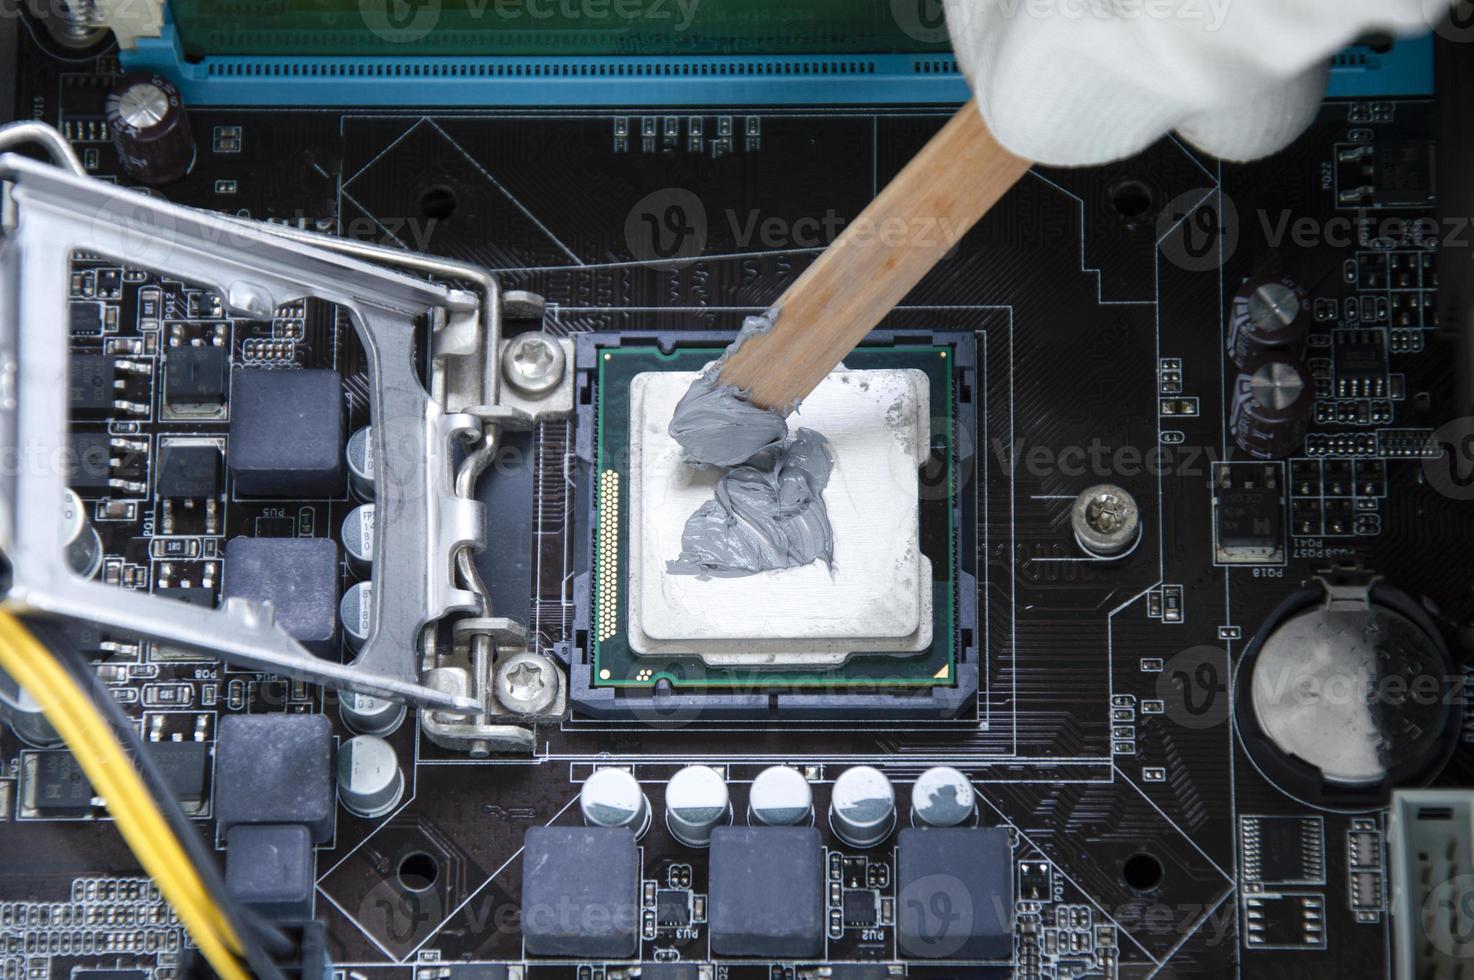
column 1075, row 82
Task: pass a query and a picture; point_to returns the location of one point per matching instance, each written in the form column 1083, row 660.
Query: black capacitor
column 1270, row 313
column 150, row 128
column 1272, row 399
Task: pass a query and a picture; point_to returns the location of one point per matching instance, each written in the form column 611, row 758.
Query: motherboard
column 1191, row 449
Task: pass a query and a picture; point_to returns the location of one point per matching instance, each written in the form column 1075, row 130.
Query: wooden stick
column 960, row 174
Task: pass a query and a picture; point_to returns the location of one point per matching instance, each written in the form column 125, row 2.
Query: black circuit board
column 1098, row 299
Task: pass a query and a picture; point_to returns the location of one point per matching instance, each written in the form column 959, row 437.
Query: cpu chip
column 875, row 598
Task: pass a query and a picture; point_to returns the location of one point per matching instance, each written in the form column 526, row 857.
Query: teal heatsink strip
column 651, row 80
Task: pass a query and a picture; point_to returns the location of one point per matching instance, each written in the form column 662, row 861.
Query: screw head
column 533, row 363
column 1105, row 520
column 1106, row 512
column 526, row 683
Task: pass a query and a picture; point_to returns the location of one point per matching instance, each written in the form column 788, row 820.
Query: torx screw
column 533, row 362
column 526, row 683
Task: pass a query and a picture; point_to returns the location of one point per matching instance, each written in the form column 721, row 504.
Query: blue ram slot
column 714, row 80
column 1405, row 70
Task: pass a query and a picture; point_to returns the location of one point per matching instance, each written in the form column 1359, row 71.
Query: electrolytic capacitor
column 613, row 798
column 360, row 457
column 780, row 797
column 358, row 539
column 1272, row 399
column 1269, row 314
column 696, row 803
column 24, row 715
column 942, row 797
column 150, row 128
column 83, row 546
column 370, row 782
column 356, row 610
column 862, row 806
column 369, row 714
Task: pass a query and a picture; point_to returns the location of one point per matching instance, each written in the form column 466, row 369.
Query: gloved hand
column 1075, row 82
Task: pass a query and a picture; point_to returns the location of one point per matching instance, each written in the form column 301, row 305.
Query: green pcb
column 617, row 665
column 543, row 28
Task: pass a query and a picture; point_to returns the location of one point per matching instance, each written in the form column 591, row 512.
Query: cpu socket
column 888, row 630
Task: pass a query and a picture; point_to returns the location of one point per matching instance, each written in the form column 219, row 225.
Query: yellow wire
column 47, row 675
column 72, row 713
column 112, row 775
column 41, row 671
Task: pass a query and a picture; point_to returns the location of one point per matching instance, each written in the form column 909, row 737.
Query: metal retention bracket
column 53, row 214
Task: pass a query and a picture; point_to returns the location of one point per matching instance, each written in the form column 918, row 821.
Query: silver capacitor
column 83, row 545
column 613, row 798
column 358, row 539
column 369, row 714
column 780, row 797
column 360, row 458
column 24, row 715
column 942, row 797
column 356, row 610
column 696, row 803
column 370, row 782
column 862, row 806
